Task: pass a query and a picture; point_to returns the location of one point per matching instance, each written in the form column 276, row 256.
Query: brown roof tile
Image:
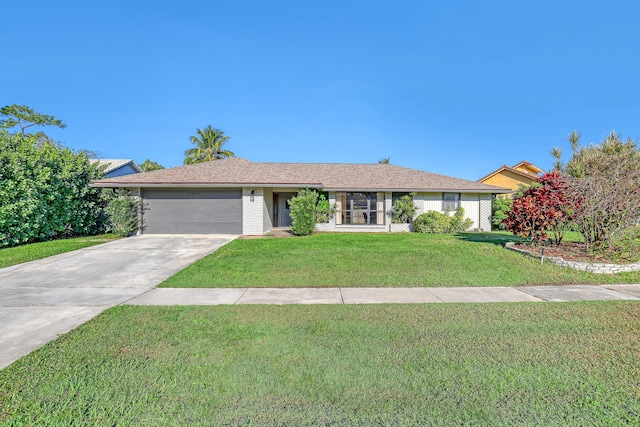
column 329, row 176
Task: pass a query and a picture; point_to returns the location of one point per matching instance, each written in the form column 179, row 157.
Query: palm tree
column 209, row 142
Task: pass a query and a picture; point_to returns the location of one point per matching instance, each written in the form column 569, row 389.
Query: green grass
column 449, row 364
column 378, row 260
column 34, row 251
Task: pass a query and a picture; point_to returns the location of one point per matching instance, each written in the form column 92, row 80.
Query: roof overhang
column 199, row 185
column 297, row 185
column 424, row 190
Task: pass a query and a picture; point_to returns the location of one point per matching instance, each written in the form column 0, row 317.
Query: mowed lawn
column 572, row 364
column 34, row 251
column 378, row 260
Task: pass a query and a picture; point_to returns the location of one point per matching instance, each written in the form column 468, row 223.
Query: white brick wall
column 485, row 212
column 400, row 228
column 359, row 228
column 253, row 211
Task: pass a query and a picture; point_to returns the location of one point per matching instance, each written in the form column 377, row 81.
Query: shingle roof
column 329, row 176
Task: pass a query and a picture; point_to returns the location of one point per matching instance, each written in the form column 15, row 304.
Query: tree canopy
column 209, row 144
column 604, row 180
column 24, row 117
column 148, row 166
column 603, row 185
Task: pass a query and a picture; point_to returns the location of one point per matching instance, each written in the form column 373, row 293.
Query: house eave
column 200, row 185
column 423, row 190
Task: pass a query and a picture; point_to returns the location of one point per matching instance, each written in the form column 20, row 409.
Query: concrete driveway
column 40, row 300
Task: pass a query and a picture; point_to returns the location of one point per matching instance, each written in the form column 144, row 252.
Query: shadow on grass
column 494, row 238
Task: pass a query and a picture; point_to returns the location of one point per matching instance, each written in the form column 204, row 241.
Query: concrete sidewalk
column 166, row 296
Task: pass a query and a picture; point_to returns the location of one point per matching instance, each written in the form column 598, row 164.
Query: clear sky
column 453, row 87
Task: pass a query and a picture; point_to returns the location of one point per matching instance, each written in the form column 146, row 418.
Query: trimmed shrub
column 432, row 222
column 436, row 222
column 122, row 212
column 303, row 212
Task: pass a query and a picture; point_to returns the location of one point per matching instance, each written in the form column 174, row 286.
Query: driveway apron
column 42, row 299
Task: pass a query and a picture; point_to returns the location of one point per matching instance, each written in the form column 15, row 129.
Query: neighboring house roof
column 517, row 169
column 115, row 164
column 527, row 166
column 236, row 172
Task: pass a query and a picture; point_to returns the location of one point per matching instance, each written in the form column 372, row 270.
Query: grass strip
column 34, row 251
column 378, row 260
column 448, row 364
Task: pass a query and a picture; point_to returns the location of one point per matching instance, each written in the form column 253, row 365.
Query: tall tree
column 148, row 166
column 604, row 179
column 209, row 142
column 24, row 117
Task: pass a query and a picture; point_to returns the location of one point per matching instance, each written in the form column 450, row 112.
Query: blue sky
column 452, row 87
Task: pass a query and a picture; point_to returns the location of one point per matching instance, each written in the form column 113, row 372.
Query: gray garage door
column 193, row 211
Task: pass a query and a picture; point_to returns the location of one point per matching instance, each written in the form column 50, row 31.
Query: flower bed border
column 599, row 268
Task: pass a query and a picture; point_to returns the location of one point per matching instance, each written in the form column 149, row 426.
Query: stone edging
column 599, row 268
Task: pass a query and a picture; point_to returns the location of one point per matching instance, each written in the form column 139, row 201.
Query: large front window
column 360, row 208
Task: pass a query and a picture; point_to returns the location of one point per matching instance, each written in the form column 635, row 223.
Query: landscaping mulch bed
column 571, row 251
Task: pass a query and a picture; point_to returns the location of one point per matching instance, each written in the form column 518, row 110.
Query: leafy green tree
column 24, row 117
column 209, row 144
column 45, row 192
column 603, row 181
column 500, row 207
column 148, row 166
column 385, row 161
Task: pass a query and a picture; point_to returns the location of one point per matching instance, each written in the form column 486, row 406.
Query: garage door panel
column 193, row 211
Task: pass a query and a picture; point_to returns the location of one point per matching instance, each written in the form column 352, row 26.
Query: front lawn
column 378, row 260
column 429, row 364
column 34, row 251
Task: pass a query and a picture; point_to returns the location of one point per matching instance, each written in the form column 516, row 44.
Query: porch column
column 388, row 209
column 332, row 204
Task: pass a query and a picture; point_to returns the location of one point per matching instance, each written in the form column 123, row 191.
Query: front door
column 282, row 211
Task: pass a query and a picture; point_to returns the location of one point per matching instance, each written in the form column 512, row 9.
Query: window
column 360, row 208
column 450, row 201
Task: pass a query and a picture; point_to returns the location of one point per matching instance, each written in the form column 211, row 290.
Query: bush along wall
column 122, row 211
column 302, row 210
column 44, row 192
column 436, row 222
